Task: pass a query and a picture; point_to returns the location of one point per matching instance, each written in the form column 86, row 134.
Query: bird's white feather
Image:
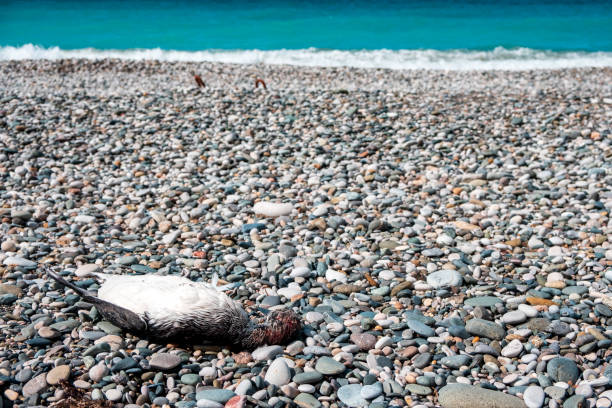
column 161, row 297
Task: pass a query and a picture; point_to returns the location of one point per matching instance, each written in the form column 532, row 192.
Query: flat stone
column 469, row 396
column 485, row 328
column 420, row 328
column 371, row 391
column 365, row 341
column 514, row 317
column 57, row 374
column 18, row 261
column 35, row 385
column 328, row 366
column 563, row 369
column 270, row 209
column 512, row 349
column 351, row 395
column 278, row 372
column 215, row 394
column 266, row 353
column 305, row 400
column 113, row 395
column 418, row 389
column 484, row 301
column 308, row 377
column 444, row 278
column 534, row 396
column 457, row 361
column 165, row 361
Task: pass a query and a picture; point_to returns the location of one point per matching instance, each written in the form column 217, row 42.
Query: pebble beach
column 445, row 236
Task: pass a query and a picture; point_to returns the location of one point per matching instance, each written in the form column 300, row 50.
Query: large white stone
column 533, row 396
column 18, row 261
column 444, row 278
column 270, row 209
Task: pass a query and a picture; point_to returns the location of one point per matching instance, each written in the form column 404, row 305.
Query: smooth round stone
column 583, row 389
column 309, row 388
column 365, row 341
column 483, row 301
column 165, row 361
column 562, row 369
column 270, row 209
column 371, row 391
column 18, row 261
column 418, row 389
column 444, row 278
column 308, row 377
column 278, row 373
column 125, row 364
column 204, row 403
column 113, row 394
column 266, row 353
column 306, row 400
column 485, row 328
column 190, row 379
column 35, row 385
column 328, row 366
column 469, row 396
column 58, row 374
column 575, row 401
column 420, row 328
column 512, row 349
column 534, row 396
column 97, row 372
column 351, row 395
column 529, row 311
column 455, row 362
column 514, row 317
column 215, row 394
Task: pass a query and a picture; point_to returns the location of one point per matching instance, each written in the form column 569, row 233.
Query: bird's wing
column 161, row 297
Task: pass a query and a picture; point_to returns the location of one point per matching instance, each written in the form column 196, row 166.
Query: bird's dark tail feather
column 64, row 282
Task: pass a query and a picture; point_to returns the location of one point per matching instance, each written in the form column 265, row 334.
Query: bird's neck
column 259, row 336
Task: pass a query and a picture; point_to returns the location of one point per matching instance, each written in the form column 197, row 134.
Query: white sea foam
column 499, row 58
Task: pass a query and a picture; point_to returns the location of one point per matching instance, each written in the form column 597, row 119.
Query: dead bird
column 170, row 308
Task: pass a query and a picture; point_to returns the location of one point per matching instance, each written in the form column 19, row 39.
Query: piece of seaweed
column 75, row 398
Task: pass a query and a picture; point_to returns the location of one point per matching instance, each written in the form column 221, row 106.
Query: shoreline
column 161, row 76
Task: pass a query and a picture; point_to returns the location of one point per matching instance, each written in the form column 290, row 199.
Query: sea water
column 435, row 34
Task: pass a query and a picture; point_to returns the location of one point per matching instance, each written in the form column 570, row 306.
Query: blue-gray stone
column 372, row 391
column 456, row 361
column 328, row 366
column 306, row 400
column 563, row 369
column 308, row 377
column 8, row 299
column 124, row 364
column 484, row 301
column 351, row 395
column 420, row 328
column 575, row 401
column 215, row 394
column 485, row 328
column 418, row 389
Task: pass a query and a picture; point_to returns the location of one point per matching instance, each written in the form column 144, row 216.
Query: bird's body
column 173, row 307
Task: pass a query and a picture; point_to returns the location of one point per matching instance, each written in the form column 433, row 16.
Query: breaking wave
column 498, row 58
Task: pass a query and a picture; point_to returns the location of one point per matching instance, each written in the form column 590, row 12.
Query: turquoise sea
column 392, row 34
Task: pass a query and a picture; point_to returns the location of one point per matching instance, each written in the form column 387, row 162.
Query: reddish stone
column 239, row 401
